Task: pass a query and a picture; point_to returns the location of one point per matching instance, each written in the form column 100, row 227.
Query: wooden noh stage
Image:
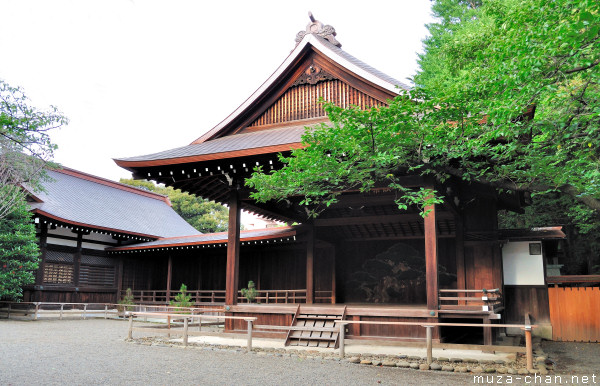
column 361, row 259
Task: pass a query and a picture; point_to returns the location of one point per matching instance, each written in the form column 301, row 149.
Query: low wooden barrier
column 37, row 309
column 527, row 327
column 186, row 319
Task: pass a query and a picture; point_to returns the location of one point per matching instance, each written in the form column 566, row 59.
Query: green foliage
column 25, row 145
column 128, row 299
column 19, row 252
column 182, row 299
column 250, row 293
column 485, row 64
column 204, row 215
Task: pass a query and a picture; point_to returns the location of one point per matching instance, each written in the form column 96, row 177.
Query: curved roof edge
column 334, row 53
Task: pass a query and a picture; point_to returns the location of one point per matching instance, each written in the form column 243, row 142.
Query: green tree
column 19, row 251
column 25, row 145
column 204, row 215
column 487, row 66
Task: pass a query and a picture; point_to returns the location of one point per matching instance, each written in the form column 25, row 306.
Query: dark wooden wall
column 522, row 299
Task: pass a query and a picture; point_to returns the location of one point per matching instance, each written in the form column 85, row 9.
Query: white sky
column 137, row 77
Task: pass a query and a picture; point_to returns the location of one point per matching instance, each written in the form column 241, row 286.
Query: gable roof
column 85, row 200
column 216, row 144
column 331, row 52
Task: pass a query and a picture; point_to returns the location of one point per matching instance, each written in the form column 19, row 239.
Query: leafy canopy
column 204, row 215
column 485, row 65
column 25, row 144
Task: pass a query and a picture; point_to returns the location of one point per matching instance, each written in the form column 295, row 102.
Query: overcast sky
column 137, row 77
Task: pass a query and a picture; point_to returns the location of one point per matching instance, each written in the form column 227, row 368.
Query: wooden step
column 314, row 338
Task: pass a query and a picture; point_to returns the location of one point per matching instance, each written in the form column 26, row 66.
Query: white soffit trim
column 308, row 39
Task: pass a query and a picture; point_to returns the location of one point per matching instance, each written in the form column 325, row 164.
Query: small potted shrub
column 125, row 303
column 182, row 299
column 250, row 293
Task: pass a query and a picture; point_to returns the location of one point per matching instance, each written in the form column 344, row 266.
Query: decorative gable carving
column 313, row 75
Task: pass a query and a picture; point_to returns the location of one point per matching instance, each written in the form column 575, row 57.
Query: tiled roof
column 212, row 238
column 258, row 139
column 86, row 200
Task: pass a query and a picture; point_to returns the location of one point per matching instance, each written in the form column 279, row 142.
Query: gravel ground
column 574, row 357
column 53, row 352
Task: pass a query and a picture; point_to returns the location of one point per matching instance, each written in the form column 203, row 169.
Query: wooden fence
column 574, row 313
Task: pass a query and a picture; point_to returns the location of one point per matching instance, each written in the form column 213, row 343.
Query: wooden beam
column 233, row 249
column 392, row 218
column 310, row 262
column 334, row 250
column 431, row 259
column 39, row 275
column 77, row 265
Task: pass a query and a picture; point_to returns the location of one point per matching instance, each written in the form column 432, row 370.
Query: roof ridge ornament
column 315, row 27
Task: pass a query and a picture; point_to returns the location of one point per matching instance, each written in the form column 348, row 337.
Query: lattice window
column 96, row 276
column 97, row 260
column 59, row 257
column 58, row 273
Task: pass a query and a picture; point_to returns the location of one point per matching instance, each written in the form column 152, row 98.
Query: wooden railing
column 573, row 280
column 198, row 297
column 35, row 310
column 471, row 300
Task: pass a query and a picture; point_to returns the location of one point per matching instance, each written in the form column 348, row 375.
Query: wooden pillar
column 310, row 265
column 333, row 274
column 39, row 274
column 461, row 279
column 431, row 259
column 77, row 267
column 233, row 249
column 169, row 277
column 119, row 279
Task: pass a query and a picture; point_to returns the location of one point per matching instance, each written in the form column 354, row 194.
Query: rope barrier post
column 528, row 347
column 106, row 311
column 429, row 344
column 145, row 310
column 185, row 331
column 62, row 306
column 8, row 311
column 84, row 311
column 341, row 338
column 37, row 308
column 199, row 323
column 130, row 333
column 249, row 334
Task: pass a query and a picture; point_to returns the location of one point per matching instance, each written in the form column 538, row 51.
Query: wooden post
column 77, row 265
column 62, row 307
column 8, row 311
column 487, row 333
column 341, row 339
column 431, row 259
column 333, row 275
column 130, row 333
column 106, row 311
column 528, row 347
column 429, row 344
column 84, row 312
column 119, row 279
column 185, row 332
column 249, row 334
column 233, row 249
column 199, row 324
column 39, row 275
column 310, row 265
column 169, row 277
column 37, row 308
column 461, row 282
